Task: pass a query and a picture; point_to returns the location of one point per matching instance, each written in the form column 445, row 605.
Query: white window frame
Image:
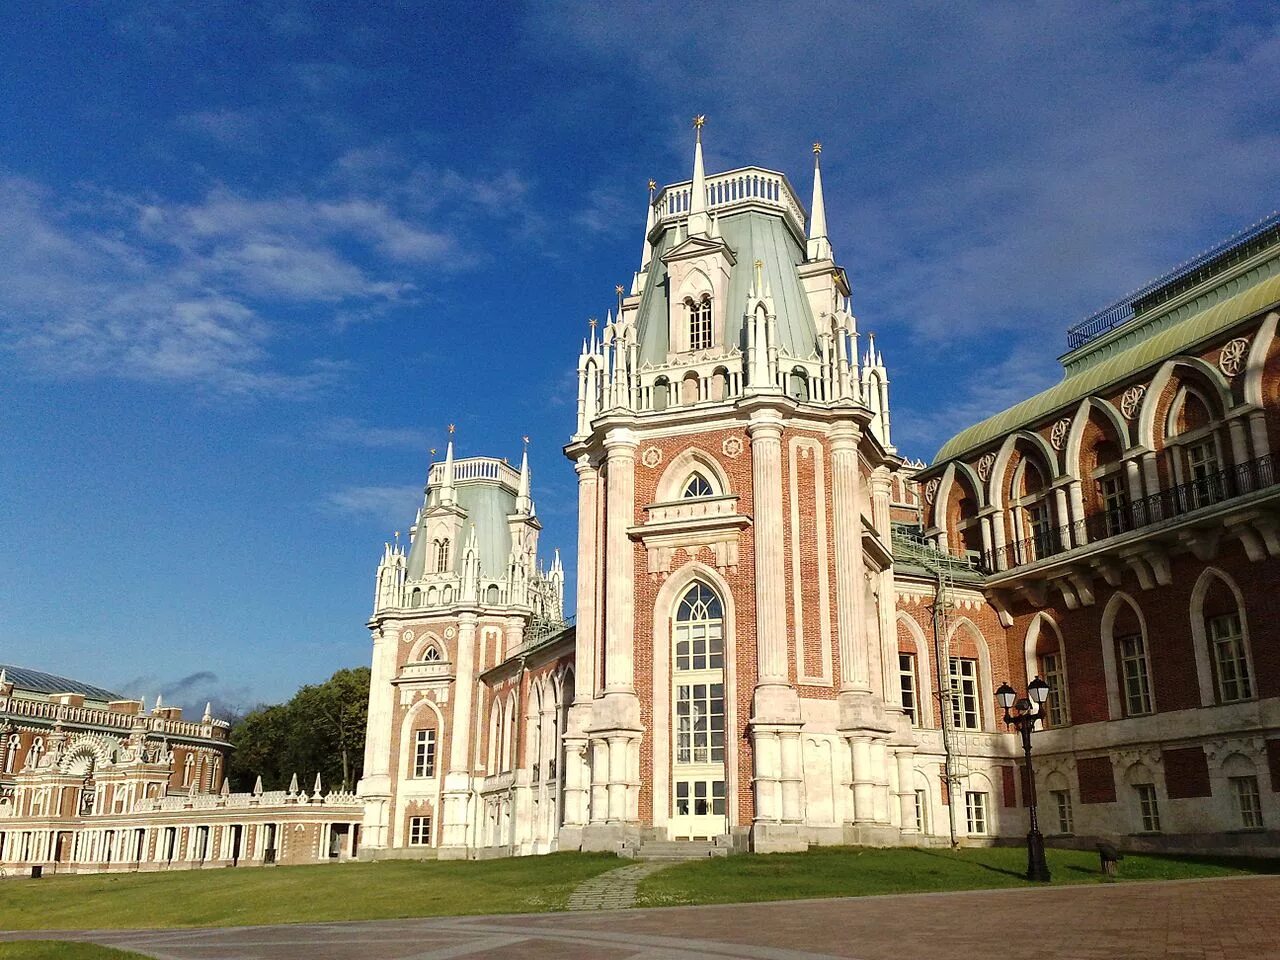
column 976, row 813
column 908, row 687
column 1053, row 672
column 1227, row 648
column 1148, row 807
column 1134, row 666
column 1248, row 801
column 424, row 753
column 1061, row 800
column 420, row 831
column 966, row 703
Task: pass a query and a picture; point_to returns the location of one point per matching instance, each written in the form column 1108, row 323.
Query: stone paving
column 1229, row 919
column 614, row 890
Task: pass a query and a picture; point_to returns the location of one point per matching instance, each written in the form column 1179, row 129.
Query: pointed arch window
column 432, row 655
column 1135, row 675
column 697, row 486
column 1230, row 660
column 699, row 322
column 442, row 555
column 699, row 668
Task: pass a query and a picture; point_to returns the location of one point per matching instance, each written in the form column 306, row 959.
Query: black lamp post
column 1022, row 716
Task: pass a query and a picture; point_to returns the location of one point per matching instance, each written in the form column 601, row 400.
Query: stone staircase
column 680, row 850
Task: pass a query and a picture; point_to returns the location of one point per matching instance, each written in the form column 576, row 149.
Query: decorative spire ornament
column 698, row 191
column 818, row 247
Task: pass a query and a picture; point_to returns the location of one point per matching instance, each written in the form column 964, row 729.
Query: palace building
column 91, row 781
column 788, row 635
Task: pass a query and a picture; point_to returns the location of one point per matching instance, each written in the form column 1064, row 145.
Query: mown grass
column 62, row 950
column 305, row 894
column 859, row 871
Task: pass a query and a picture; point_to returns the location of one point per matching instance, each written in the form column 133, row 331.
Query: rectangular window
column 424, row 753
column 1231, row 667
column 922, row 808
column 1115, row 503
column 420, row 831
column 1134, row 675
column 907, row 682
column 964, row 693
column 1056, row 703
column 1248, row 801
column 1148, row 806
column 975, row 812
column 700, row 723
column 1062, row 807
column 1041, row 530
column 1202, row 467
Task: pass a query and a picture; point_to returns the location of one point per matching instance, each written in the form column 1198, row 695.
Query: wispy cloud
column 351, row 432
column 392, row 506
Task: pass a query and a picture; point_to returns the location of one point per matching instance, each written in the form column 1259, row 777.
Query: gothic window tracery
column 699, row 322
column 697, row 486
column 442, row 555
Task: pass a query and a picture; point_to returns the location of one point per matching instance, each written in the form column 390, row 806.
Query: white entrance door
column 699, row 808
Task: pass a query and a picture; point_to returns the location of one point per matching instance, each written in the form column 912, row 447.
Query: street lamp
column 1022, row 714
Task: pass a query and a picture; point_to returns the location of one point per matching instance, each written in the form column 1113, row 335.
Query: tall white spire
column 446, row 475
column 819, row 247
column 649, row 221
column 524, row 502
column 698, row 192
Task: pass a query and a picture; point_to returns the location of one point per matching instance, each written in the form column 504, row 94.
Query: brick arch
column 409, row 724
column 965, row 632
column 1106, row 421
column 911, row 639
column 960, row 497
column 1259, row 351
column 682, row 465
column 1002, row 477
column 1175, row 370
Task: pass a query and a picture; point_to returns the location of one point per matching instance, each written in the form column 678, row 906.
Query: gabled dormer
column 698, row 276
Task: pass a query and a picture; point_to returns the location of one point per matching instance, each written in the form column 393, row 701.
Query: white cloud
column 351, row 432
column 392, row 506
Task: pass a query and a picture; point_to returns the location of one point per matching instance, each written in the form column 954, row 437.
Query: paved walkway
column 1231, row 919
column 616, row 889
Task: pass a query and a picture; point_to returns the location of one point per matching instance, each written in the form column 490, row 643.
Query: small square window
column 420, row 831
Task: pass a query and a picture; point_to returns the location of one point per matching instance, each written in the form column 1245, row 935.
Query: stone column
column 1066, row 528
column 792, row 767
column 863, row 780
column 457, row 782
column 1075, row 494
column 880, row 775
column 845, row 482
column 1239, row 441
column 765, row 431
column 906, row 791
column 375, row 784
column 998, row 538
column 1258, row 431
column 619, row 666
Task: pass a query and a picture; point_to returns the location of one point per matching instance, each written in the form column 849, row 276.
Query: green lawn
column 62, row 950
column 349, row 891
column 856, row 872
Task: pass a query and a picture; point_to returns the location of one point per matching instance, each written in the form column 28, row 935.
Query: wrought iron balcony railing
column 1168, row 504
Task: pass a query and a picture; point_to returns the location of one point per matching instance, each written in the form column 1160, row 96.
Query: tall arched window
column 442, row 555
column 699, row 722
column 11, row 755
column 699, row 323
column 697, row 486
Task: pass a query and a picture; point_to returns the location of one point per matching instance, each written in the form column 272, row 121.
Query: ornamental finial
column 451, row 429
column 698, row 122
column 653, row 185
column 817, row 147
column 592, row 323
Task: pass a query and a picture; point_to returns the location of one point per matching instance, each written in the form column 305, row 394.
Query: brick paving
column 614, row 890
column 1229, row 919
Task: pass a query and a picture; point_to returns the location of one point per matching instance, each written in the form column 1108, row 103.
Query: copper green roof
column 1131, row 349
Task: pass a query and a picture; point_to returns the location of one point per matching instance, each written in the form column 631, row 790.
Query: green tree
column 319, row 730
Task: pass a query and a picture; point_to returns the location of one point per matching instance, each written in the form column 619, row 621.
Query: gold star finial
column 653, row 185
column 817, row 147
column 526, row 440
column 433, row 451
column 617, row 288
column 698, row 121
column 592, row 323
column 451, row 429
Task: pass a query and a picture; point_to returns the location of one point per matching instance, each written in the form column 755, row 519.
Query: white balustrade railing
column 725, row 190
column 477, row 468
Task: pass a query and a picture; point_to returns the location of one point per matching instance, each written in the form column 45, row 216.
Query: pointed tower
column 819, row 247
column 745, row 416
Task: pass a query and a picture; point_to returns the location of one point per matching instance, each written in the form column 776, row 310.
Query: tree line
column 319, row 730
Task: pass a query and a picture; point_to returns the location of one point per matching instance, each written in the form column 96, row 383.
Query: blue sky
column 255, row 257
